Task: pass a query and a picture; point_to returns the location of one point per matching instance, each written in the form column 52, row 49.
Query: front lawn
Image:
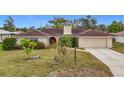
column 12, row 63
column 119, row 47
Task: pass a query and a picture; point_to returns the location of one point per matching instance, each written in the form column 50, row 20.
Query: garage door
column 95, row 42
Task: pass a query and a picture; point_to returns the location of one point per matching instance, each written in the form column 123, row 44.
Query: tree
column 64, row 41
column 101, row 27
column 58, row 22
column 28, row 46
column 74, row 23
column 114, row 27
column 9, row 24
column 24, row 29
column 88, row 23
column 32, row 28
column 121, row 26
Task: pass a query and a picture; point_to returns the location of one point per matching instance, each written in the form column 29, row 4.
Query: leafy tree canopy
column 88, row 23
column 9, row 24
column 58, row 22
column 28, row 46
column 115, row 26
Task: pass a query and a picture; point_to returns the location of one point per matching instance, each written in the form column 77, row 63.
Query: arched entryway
column 52, row 41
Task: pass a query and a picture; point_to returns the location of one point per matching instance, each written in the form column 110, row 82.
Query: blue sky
column 41, row 20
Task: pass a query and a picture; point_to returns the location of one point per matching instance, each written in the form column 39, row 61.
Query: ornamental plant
column 28, row 46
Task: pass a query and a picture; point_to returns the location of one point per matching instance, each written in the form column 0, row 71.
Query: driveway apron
column 113, row 59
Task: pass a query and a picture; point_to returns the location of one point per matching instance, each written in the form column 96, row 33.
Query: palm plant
column 28, row 46
column 64, row 41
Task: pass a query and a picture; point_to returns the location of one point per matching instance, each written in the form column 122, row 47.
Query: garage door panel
column 94, row 42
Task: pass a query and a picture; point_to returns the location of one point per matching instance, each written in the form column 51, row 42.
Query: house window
column 34, row 39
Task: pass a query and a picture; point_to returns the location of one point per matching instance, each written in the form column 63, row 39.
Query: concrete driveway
column 113, row 59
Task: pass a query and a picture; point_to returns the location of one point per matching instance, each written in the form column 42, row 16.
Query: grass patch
column 119, row 47
column 12, row 63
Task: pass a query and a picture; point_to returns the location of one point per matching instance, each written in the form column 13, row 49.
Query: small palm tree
column 28, row 46
column 64, row 41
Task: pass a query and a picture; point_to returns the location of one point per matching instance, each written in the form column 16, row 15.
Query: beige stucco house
column 86, row 38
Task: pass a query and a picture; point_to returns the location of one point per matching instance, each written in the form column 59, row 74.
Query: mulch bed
column 83, row 72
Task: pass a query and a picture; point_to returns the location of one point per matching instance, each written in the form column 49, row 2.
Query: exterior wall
column 2, row 37
column 109, row 42
column 43, row 39
column 119, row 39
column 95, row 41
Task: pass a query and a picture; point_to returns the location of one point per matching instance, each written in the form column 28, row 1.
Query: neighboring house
column 88, row 38
column 119, row 37
column 4, row 34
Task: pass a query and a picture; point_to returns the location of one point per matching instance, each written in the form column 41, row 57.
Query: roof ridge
column 42, row 32
column 84, row 32
column 92, row 31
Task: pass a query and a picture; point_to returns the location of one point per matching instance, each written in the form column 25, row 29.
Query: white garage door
column 95, row 42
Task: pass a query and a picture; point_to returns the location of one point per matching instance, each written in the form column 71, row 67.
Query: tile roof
column 53, row 31
column 120, row 33
column 93, row 33
column 58, row 32
column 33, row 33
column 113, row 34
column 6, row 32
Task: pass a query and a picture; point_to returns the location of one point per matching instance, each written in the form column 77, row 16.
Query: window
column 33, row 39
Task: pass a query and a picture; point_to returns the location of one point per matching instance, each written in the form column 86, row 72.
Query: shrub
column 73, row 42
column 40, row 45
column 9, row 43
column 1, row 47
column 64, row 41
column 28, row 46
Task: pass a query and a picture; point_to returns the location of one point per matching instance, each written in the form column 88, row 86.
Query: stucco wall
column 2, row 37
column 95, row 41
column 43, row 39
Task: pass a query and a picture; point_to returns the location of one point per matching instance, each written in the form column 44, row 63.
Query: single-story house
column 4, row 34
column 49, row 36
column 86, row 38
column 119, row 37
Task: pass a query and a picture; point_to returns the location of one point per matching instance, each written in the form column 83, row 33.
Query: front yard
column 119, row 47
column 13, row 64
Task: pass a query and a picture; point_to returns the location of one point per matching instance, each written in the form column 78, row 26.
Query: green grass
column 119, row 47
column 12, row 63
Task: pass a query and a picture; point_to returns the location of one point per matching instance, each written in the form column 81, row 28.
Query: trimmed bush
column 73, row 41
column 40, row 45
column 9, row 43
